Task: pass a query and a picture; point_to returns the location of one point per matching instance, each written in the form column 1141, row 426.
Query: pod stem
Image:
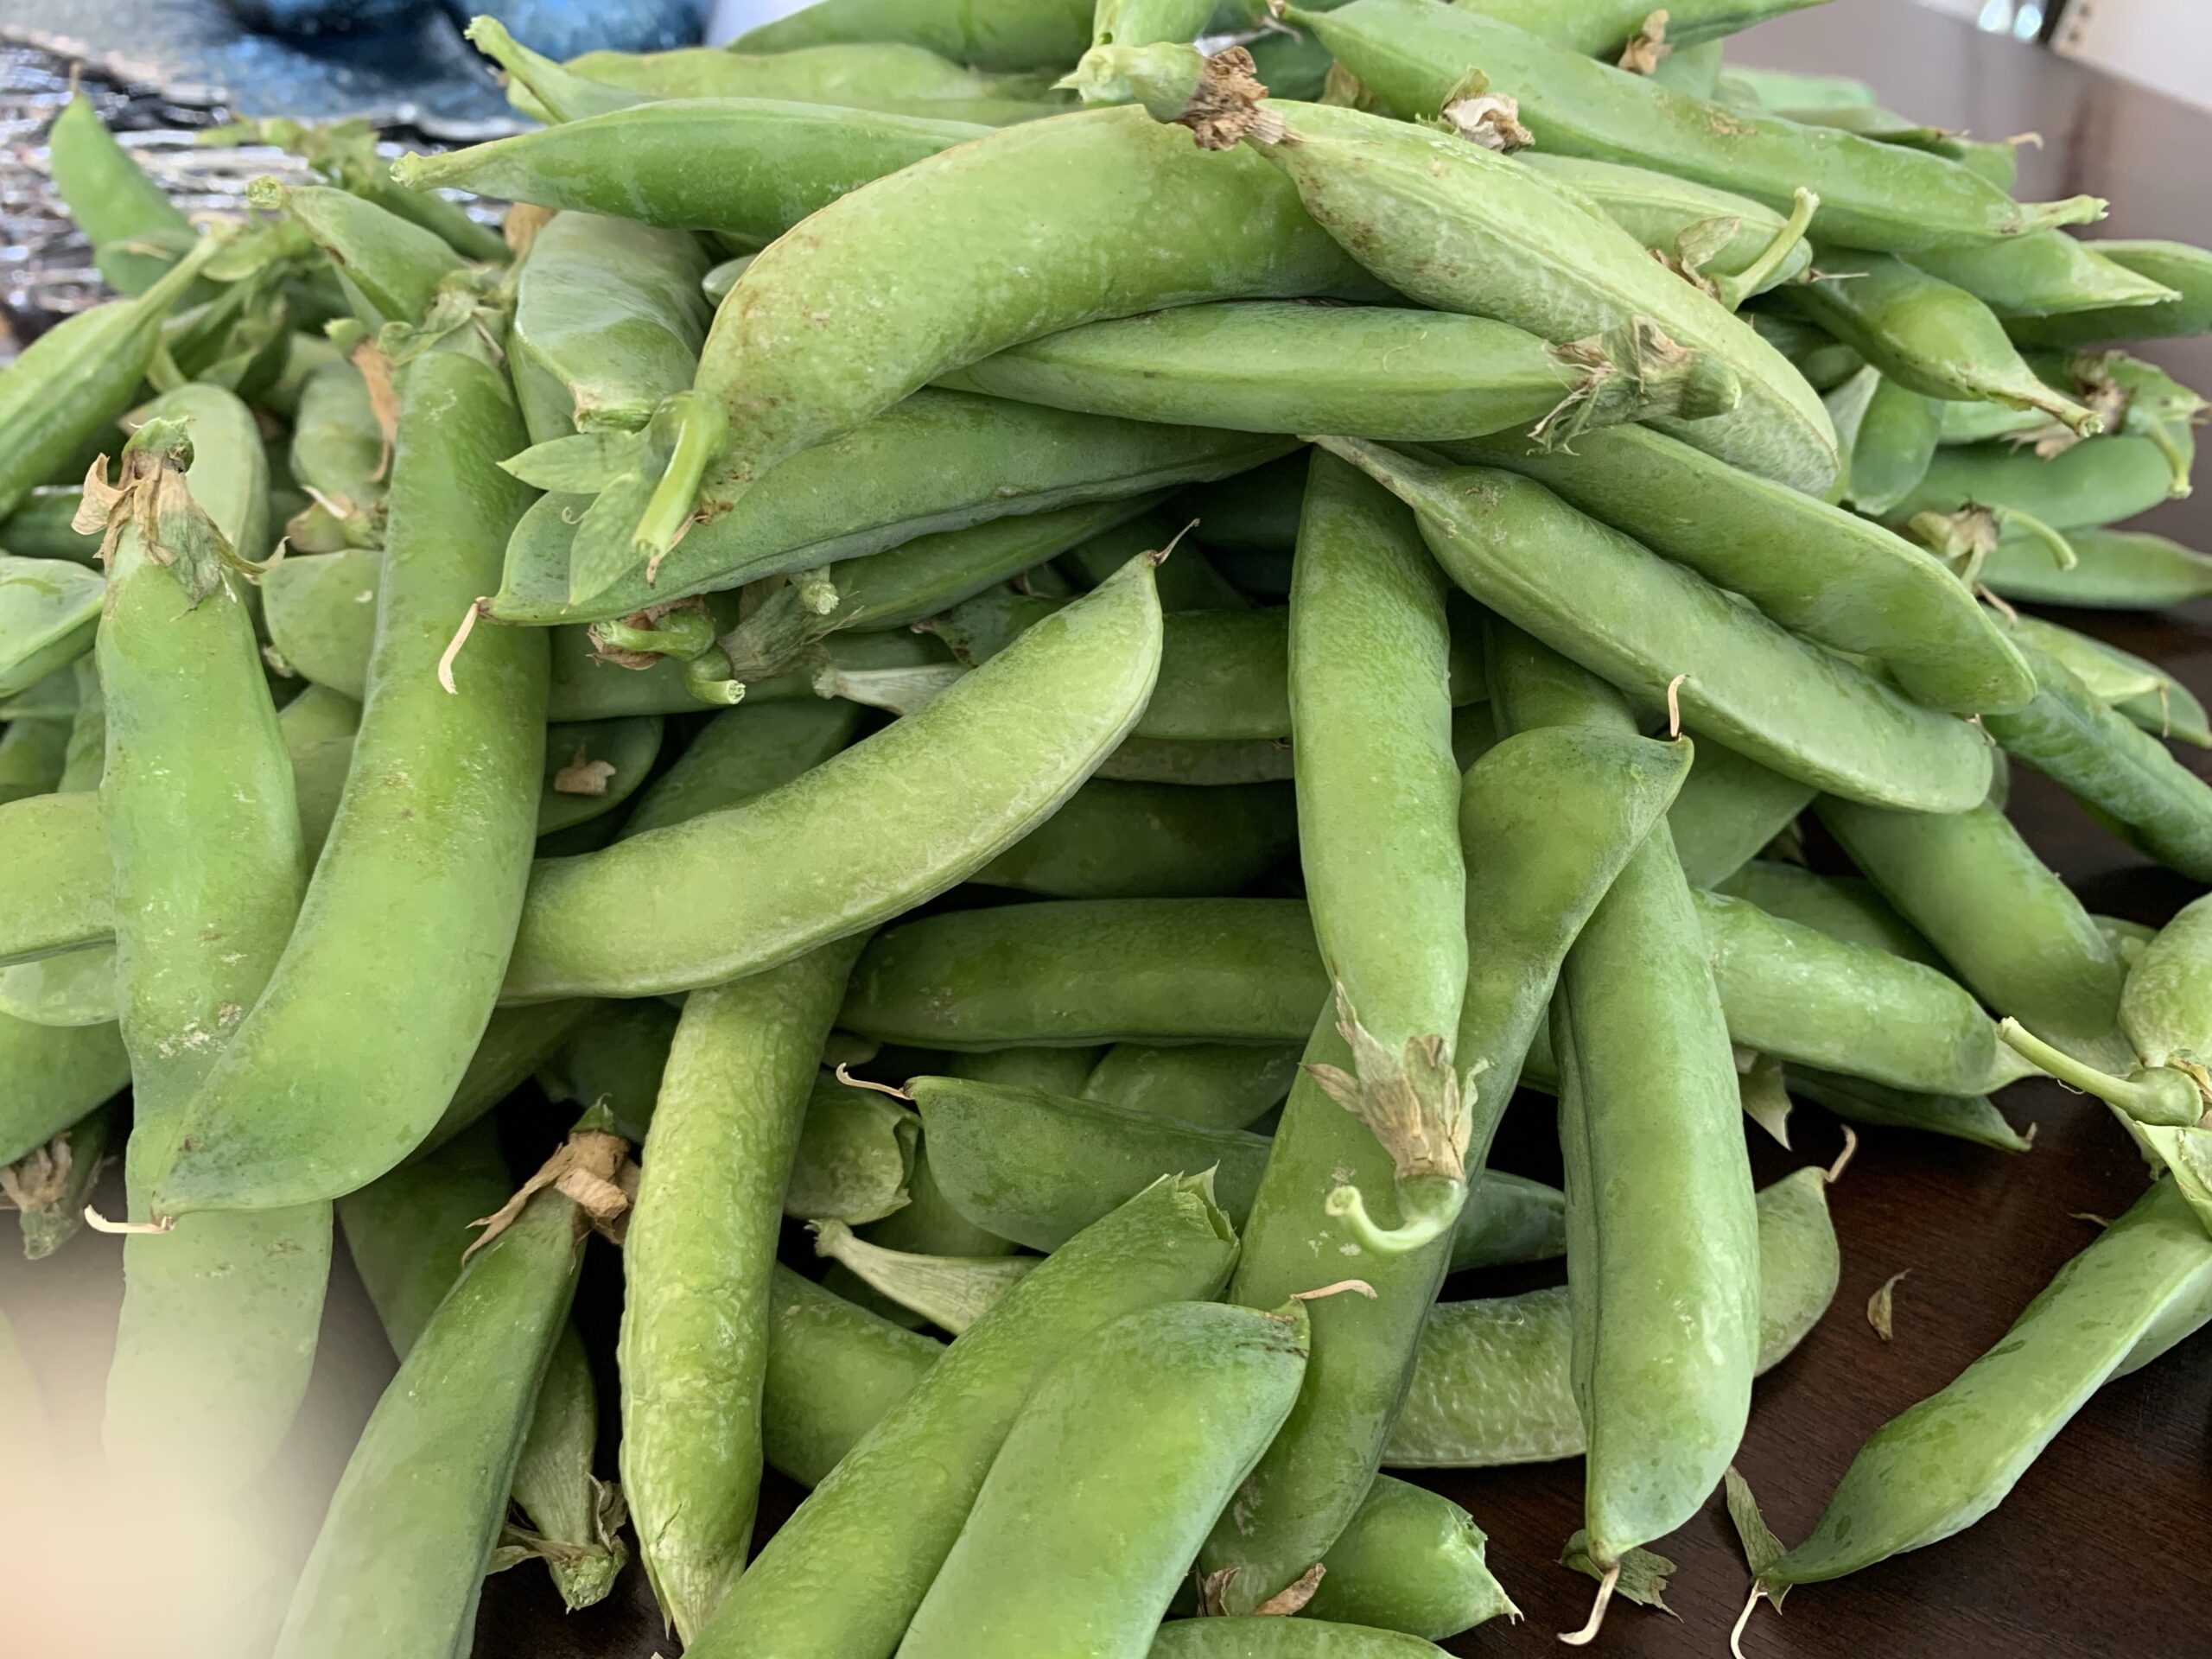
column 2154, row 1094
column 1430, row 1207
column 1735, row 289
column 2161, row 437
column 698, row 427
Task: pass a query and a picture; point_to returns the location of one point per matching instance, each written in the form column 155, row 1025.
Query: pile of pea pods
column 997, row 676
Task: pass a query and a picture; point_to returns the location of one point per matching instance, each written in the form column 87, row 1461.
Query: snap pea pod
column 293, row 1110
column 1845, row 582
column 33, row 755
column 220, row 1317
column 1199, row 762
column 752, row 167
column 1412, row 56
column 1961, row 423
column 2018, row 938
column 515, row 1044
column 939, row 461
column 1150, row 841
column 2048, row 274
column 1258, row 508
column 1132, row 22
column 1928, row 335
column 1409, row 1560
column 76, row 988
column 137, row 232
column 1092, row 970
column 740, row 753
column 1001, row 35
column 1739, row 246
column 1038, row 1167
column 850, row 76
column 1744, row 87
column 391, row 270
column 592, row 766
column 1492, row 1385
column 2165, row 1009
column 338, row 453
column 62, row 893
column 1808, row 997
column 51, row 1184
column 1600, row 598
column 399, row 1563
column 1842, row 906
column 2175, row 266
column 1040, row 719
column 1262, row 365
column 49, row 609
column 407, row 1232
column 608, row 321
column 1890, row 432
column 2145, row 1283
column 54, row 1075
column 1045, row 196
column 1218, row 1085
column 1187, row 582
column 887, row 1517
column 1969, row 1117
column 696, row 1259
column 69, row 385
column 1169, row 1408
column 1283, row 1638
column 1730, row 809
column 2113, row 569
column 1368, row 691
column 2104, row 760
column 39, row 527
column 2092, row 482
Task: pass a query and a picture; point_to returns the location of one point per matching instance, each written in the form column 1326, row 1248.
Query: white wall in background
column 2166, row 44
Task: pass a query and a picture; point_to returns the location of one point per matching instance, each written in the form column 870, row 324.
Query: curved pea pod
column 1217, row 1086
column 137, row 232
column 2144, row 1284
column 1729, row 811
column 48, row 610
column 2049, row 273
column 608, row 321
column 1001, row 35
column 2113, row 569
column 399, row 1563
column 339, row 453
column 1846, row 582
column 1168, row 1407
column 2018, row 938
column 1807, row 997
column 61, row 894
column 1842, row 906
column 1044, row 196
column 1409, row 1560
column 743, row 753
column 2184, row 270
column 408, row 1233
column 53, row 1076
column 593, row 766
column 1261, row 366
column 1968, row 1117
column 857, row 1155
column 458, row 771
column 1092, row 970
column 696, row 1259
column 852, row 76
column 70, row 384
column 1928, row 335
column 1734, row 246
column 391, row 270
column 751, row 167
column 1413, row 57
column 2166, row 1009
column 834, row 1370
column 1040, row 718
column 1605, row 600
column 940, row 461
column 1890, row 434
column 1150, row 841
column 886, row 1519
column 2105, row 761
column 2092, row 482
column 1492, row 1385
column 1284, row 1638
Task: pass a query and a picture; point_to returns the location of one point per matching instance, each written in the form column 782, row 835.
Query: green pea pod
column 1844, row 582
column 400, row 1561
column 54, row 1075
column 2018, row 938
column 1089, row 970
column 608, row 321
column 708, row 1212
column 339, row 455
column 2047, row 275
column 1599, row 597
column 219, row 1316
column 457, row 771
column 1020, row 196
column 2165, row 1009
column 1842, row 906
column 2183, row 270
column 51, row 1184
column 408, row 1233
column 615, row 1057
column 1001, row 35
column 1729, row 811
column 1369, row 693
column 1198, row 762
column 2092, row 482
column 1041, row 717
column 76, row 988
column 2113, row 569
column 1890, row 435
column 1150, row 841
column 516, row 1041
column 1283, row 1638
column 1261, row 365
column 1971, row 1117
column 2145, row 1283
column 887, row 1518
column 1409, row 1560
column 135, row 229
column 1413, row 57
column 41, row 527
column 1733, row 245
column 390, row 268
column 61, row 894
column 1258, row 508
column 1219, row 1085
column 939, row 461
column 1743, row 87
column 48, row 610
column 740, row 753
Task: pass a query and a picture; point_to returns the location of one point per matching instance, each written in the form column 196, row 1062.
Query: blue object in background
column 563, row 28
column 299, row 18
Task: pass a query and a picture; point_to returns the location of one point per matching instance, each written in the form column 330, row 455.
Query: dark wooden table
column 2099, row 1551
